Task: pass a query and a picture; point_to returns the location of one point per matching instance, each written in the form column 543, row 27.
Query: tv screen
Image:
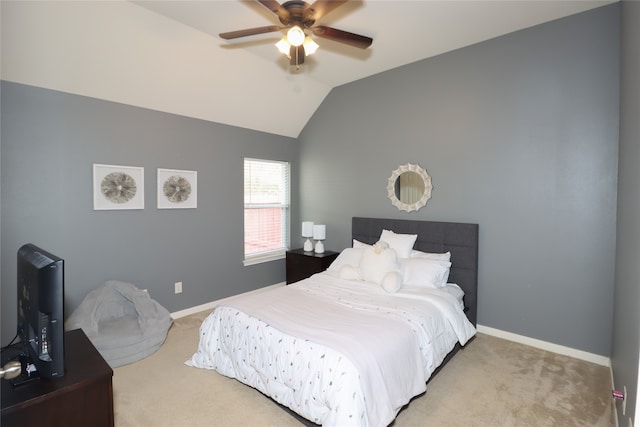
column 41, row 309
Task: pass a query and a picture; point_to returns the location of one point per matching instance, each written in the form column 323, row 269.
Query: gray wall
column 626, row 319
column 50, row 141
column 520, row 135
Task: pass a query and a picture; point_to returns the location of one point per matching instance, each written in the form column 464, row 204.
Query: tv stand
column 82, row 397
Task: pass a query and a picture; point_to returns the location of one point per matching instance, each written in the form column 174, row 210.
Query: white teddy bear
column 380, row 246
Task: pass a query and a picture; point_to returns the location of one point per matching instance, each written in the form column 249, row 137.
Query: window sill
column 263, row 258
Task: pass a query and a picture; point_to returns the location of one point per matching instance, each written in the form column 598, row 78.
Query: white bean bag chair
column 122, row 321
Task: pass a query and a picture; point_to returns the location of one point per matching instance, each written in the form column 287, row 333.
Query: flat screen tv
column 41, row 309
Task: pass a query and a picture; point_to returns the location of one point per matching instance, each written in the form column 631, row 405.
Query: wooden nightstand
column 301, row 264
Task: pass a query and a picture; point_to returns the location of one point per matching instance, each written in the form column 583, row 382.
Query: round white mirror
column 409, row 187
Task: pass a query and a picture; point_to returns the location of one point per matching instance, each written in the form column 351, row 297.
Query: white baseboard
column 211, row 305
column 544, row 345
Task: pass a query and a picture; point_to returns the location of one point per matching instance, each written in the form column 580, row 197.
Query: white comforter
column 337, row 352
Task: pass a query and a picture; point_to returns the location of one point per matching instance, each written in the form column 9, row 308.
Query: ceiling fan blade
column 275, row 7
column 249, row 32
column 320, row 8
column 341, row 36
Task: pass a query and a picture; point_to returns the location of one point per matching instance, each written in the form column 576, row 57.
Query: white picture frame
column 117, row 187
column 177, row 189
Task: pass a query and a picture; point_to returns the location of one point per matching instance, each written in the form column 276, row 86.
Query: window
column 266, row 210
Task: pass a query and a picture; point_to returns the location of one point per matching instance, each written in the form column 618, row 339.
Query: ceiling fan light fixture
column 296, row 56
column 295, row 36
column 309, row 46
column 306, row 48
column 283, row 46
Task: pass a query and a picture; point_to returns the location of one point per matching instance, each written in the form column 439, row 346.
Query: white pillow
column 349, row 272
column 401, row 243
column 349, row 256
column 430, row 255
column 374, row 266
column 392, row 281
column 359, row 245
column 423, row 272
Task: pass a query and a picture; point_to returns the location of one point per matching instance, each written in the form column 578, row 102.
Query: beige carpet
column 491, row 382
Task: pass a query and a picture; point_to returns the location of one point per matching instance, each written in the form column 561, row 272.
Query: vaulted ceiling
column 167, row 56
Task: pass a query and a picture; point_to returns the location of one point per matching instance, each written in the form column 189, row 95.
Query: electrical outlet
column 624, row 401
column 178, row 287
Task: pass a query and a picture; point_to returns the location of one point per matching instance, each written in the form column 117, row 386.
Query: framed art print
column 118, row 187
column 177, row 189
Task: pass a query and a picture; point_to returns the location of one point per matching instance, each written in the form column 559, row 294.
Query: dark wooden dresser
column 82, row 397
column 301, row 264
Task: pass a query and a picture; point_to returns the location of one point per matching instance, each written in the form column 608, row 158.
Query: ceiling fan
column 299, row 16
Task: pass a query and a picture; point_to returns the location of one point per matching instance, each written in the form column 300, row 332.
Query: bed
column 340, row 350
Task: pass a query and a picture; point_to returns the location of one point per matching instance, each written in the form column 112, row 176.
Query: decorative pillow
column 430, row 255
column 392, row 281
column 349, row 272
column 401, row 243
column 373, row 266
column 349, row 256
column 423, row 272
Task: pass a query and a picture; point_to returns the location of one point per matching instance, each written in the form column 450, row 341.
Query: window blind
column 266, row 208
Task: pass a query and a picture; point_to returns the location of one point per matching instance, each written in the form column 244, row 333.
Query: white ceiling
column 166, row 55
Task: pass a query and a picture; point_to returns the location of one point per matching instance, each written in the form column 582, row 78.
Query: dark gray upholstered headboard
column 458, row 238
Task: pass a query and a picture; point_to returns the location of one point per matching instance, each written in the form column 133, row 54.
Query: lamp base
column 308, row 246
column 319, row 247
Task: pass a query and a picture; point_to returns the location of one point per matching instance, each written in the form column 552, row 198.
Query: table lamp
column 319, row 234
column 307, row 231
